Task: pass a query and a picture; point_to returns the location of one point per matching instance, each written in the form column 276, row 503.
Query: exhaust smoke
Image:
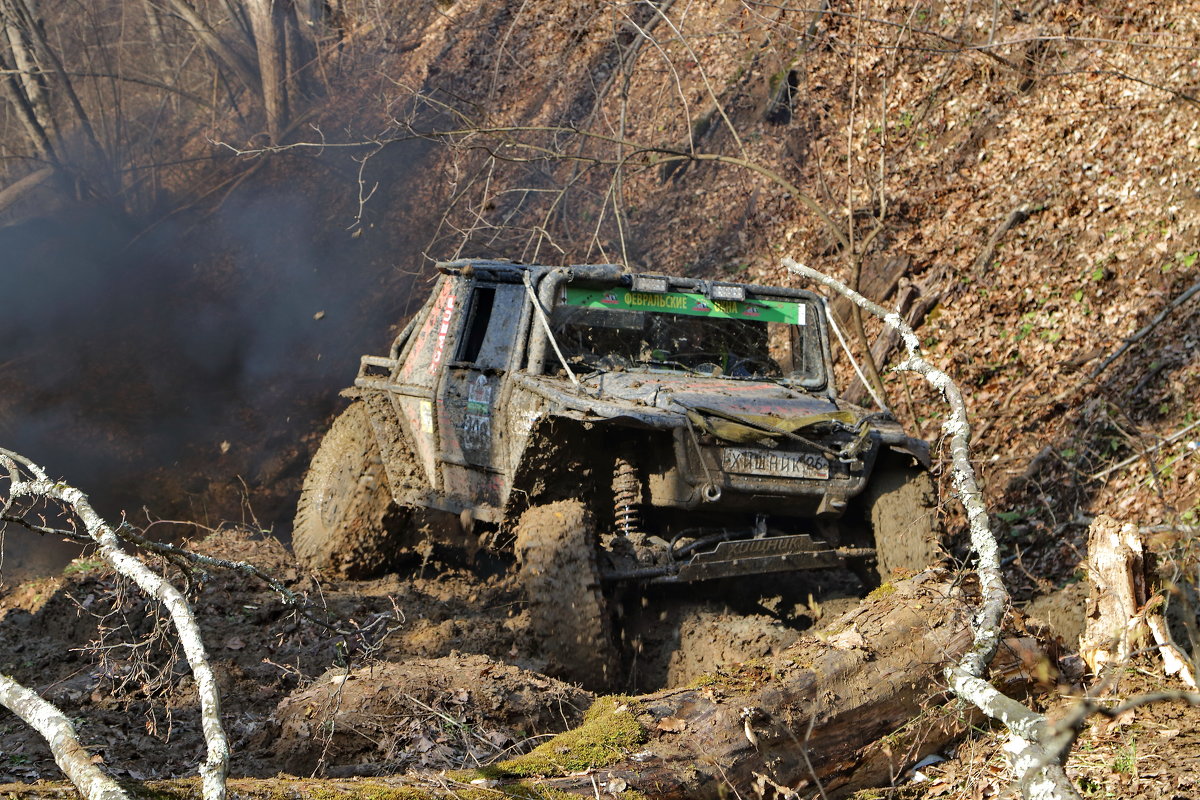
column 160, row 368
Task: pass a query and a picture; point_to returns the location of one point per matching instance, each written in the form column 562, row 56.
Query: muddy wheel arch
column 557, row 452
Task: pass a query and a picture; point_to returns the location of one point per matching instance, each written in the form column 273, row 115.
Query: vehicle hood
column 680, row 394
column 735, row 411
column 683, row 393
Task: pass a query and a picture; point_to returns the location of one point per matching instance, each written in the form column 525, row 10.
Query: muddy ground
column 433, row 667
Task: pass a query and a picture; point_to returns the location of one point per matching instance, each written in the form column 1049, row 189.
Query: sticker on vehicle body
column 439, row 349
column 479, row 396
column 477, row 424
column 774, row 463
column 426, row 412
column 689, row 303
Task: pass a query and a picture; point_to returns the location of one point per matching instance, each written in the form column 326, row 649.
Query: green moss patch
column 293, row 788
column 896, row 793
column 609, row 730
column 881, row 591
column 741, row 679
column 285, row 788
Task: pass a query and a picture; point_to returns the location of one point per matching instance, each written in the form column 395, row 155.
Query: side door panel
column 471, row 431
column 417, row 378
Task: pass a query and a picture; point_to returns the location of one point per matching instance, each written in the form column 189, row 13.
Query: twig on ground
column 1143, row 453
column 1014, row 218
column 1145, row 330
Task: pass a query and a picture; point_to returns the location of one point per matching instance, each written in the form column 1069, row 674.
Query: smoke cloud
column 161, row 366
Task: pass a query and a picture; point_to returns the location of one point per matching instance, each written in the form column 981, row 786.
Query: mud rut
column 474, row 653
column 664, row 636
column 459, row 679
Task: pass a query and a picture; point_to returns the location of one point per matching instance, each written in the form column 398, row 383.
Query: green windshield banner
column 696, row 305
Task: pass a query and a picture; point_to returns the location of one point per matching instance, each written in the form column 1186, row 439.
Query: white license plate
column 774, row 463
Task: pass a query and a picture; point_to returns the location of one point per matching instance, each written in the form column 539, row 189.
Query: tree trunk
column 32, row 83
column 1116, row 609
column 228, row 55
column 39, row 138
column 23, row 84
column 304, row 33
column 267, row 18
column 22, row 14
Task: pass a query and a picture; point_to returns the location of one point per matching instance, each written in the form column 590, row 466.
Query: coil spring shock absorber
column 626, row 490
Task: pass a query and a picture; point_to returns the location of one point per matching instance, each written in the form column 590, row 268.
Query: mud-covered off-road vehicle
column 612, row 428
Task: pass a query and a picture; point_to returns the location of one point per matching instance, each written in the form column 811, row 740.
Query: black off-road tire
column 346, row 520
column 902, row 512
column 556, row 551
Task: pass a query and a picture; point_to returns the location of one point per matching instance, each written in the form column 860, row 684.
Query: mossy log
column 850, row 708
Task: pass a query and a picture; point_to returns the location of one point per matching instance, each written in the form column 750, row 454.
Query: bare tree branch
column 1182, row 298
column 60, row 735
column 29, row 481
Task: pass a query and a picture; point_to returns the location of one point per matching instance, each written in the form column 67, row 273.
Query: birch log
column 38, row 486
column 59, row 733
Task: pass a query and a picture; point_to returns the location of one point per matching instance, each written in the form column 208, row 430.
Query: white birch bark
column 59, row 733
column 216, row 764
column 1035, row 749
column 1116, row 607
column 28, row 72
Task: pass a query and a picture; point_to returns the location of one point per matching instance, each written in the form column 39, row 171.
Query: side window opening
column 477, row 326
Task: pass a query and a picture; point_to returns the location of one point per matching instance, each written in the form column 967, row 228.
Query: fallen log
column 806, row 716
column 15, row 192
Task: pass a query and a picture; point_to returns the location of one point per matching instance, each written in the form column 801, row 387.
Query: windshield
column 758, row 338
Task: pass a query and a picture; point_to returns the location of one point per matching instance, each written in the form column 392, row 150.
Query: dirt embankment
column 430, row 668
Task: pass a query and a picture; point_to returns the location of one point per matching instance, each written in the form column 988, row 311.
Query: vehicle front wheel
column 901, row 509
column 556, row 551
column 346, row 519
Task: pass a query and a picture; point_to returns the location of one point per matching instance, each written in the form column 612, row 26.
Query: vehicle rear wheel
column 345, row 519
column 556, row 551
column 901, row 508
